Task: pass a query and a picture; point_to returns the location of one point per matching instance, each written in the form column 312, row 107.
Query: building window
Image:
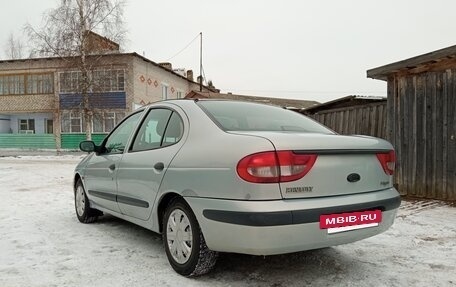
column 48, row 126
column 102, row 122
column 119, row 117
column 109, row 121
column 164, row 91
column 103, row 81
column 108, row 81
column 97, row 123
column 27, row 126
column 76, row 123
column 179, row 94
column 26, row 84
column 12, row 85
column 69, row 81
column 72, row 122
column 40, row 84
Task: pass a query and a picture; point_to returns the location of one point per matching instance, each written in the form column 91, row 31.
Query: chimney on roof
column 166, row 65
column 97, row 44
column 199, row 79
column 190, row 75
column 180, row 71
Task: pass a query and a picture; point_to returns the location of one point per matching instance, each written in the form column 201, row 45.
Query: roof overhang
column 416, row 64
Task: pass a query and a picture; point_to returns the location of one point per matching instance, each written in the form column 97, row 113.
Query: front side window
column 161, row 128
column 244, row 116
column 118, row 139
column 152, row 130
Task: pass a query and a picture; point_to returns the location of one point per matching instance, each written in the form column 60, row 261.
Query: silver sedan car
column 225, row 176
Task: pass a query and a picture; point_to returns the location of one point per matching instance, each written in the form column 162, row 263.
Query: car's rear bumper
column 283, row 226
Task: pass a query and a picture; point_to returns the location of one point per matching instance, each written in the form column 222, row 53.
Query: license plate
column 350, row 221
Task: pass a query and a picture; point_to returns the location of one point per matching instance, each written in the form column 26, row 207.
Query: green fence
column 40, row 141
column 71, row 141
column 45, row 141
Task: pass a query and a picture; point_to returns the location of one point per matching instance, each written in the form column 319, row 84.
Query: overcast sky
column 315, row 50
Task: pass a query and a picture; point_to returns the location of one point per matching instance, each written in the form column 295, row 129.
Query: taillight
column 274, row 167
column 388, row 161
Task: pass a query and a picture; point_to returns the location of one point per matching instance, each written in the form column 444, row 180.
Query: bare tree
column 67, row 32
column 14, row 48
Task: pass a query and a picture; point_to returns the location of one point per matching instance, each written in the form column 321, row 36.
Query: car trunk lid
column 344, row 164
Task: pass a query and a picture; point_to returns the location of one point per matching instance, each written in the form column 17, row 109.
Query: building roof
column 417, row 63
column 349, row 101
column 133, row 54
column 293, row 104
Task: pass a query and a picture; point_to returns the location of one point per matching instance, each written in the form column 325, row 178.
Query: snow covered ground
column 43, row 244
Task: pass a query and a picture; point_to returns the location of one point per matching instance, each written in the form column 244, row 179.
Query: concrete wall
column 147, row 81
column 39, row 121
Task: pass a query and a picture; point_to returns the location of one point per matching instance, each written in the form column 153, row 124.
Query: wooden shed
column 361, row 115
column 421, row 122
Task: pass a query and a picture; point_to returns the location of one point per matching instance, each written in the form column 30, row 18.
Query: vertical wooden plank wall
column 369, row 119
column 422, row 128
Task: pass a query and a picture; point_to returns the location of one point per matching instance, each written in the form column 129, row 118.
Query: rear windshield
column 244, row 116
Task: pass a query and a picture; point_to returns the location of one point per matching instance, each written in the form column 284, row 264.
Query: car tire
column 184, row 242
column 84, row 212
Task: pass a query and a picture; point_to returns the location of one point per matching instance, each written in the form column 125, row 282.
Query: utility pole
column 201, row 62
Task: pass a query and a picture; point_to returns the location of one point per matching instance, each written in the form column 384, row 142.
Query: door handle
column 159, row 166
column 112, row 167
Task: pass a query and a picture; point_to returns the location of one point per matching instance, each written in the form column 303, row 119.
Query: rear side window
column 174, row 130
column 245, row 116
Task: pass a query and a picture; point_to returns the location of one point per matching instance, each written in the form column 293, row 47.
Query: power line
column 180, row 51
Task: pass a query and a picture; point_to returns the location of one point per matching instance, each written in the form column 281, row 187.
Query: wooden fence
column 367, row 119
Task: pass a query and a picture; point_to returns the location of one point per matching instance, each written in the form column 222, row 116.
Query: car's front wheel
column 185, row 246
column 84, row 212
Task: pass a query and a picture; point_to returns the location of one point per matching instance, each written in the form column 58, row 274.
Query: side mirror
column 87, row 146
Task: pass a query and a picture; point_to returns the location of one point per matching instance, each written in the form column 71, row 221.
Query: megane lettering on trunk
column 299, row 189
column 225, row 176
